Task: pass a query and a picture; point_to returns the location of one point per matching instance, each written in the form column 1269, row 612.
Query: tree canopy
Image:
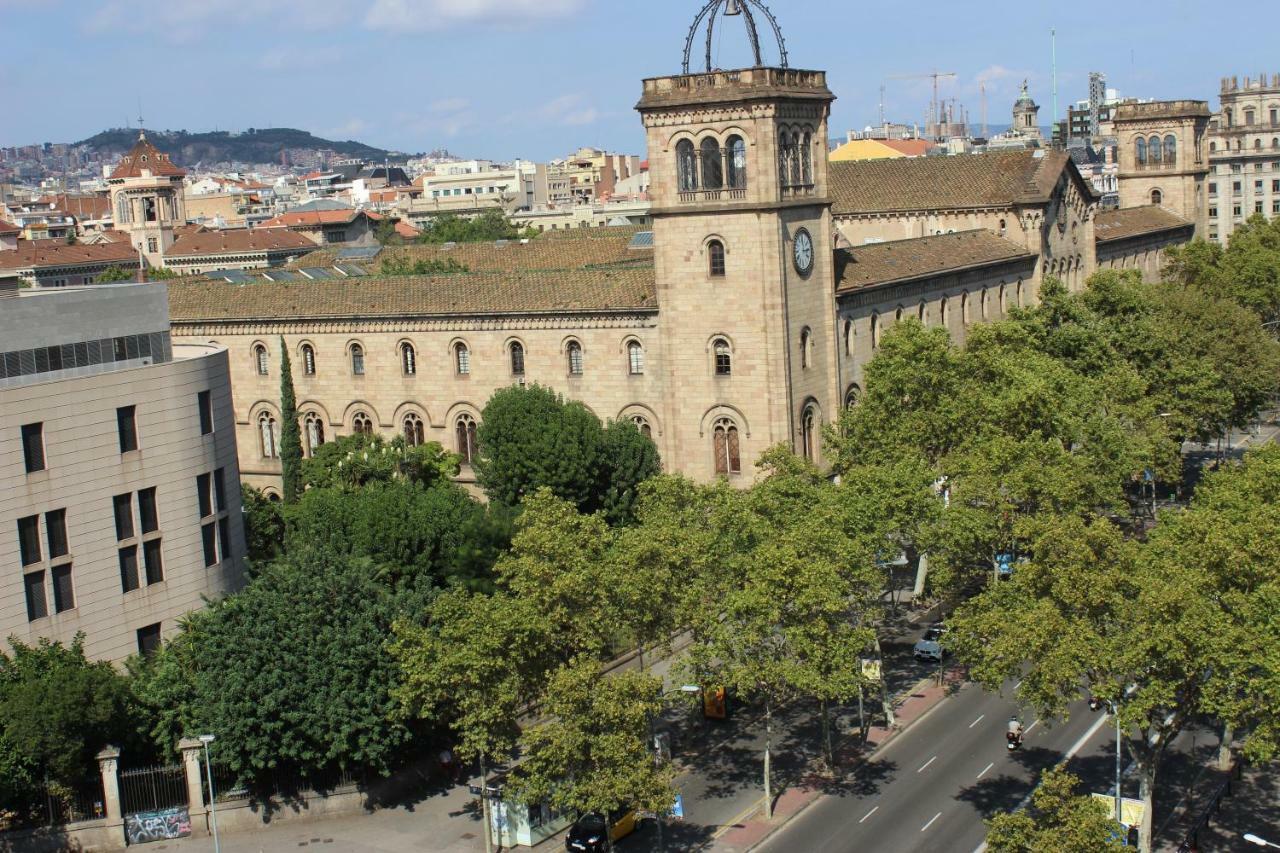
column 490, row 225
column 1060, row 820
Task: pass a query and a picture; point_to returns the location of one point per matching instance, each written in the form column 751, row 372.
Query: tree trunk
column 484, row 806
column 828, row 753
column 922, row 574
column 1224, row 750
column 1146, row 791
column 768, row 761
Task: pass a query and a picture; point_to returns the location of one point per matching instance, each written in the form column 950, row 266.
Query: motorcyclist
column 1014, row 732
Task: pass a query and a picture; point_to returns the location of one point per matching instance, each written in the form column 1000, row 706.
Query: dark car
column 588, row 834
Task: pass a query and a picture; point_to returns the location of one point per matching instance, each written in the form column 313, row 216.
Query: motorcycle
column 1013, row 740
column 1095, row 704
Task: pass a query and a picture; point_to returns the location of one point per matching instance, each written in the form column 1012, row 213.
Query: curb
column 880, row 748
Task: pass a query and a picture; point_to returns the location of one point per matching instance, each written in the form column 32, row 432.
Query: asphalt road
column 931, row 787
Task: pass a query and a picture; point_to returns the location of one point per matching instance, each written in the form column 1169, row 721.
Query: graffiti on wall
column 161, row 825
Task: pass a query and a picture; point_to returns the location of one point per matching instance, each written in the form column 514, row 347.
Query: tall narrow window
column 943, row 314
column 64, row 595
column 806, row 339
column 55, row 533
column 1140, row 151
column 1157, row 197
column 712, row 165
column 806, row 160
column 848, row 337
column 517, row 358
column 148, row 510
column 413, row 431
column 982, row 304
column 1170, row 149
column 687, row 165
column 204, row 402
column 314, row 425
column 808, row 427
column 153, row 561
column 715, row 255
column 408, row 359
column 260, row 359
column 204, row 494
column 357, row 360
column 29, row 540
column 736, row 163
column 1153, row 150
column 267, row 435
column 964, row 308
column 462, row 359
column 127, row 428
column 724, row 357
column 33, row 447
column 922, row 314
column 37, row 604
column 129, row 569
column 635, row 358
column 786, row 158
column 465, row 428
column 361, row 424
column 308, row 360
column 875, row 331
column 123, row 507
column 851, row 396
column 727, row 452
column 574, row 350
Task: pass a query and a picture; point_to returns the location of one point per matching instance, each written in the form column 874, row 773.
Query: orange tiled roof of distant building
column 235, row 241
column 145, row 157
column 9, row 228
column 46, row 253
column 312, row 217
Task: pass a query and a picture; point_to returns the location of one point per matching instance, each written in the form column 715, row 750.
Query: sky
column 537, row 79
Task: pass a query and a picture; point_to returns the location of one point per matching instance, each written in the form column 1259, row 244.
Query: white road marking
column 930, row 823
column 870, row 813
column 975, row 722
column 1032, row 726
column 927, row 763
column 1019, row 684
column 985, row 769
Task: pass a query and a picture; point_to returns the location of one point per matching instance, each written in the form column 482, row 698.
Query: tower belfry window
column 712, row 165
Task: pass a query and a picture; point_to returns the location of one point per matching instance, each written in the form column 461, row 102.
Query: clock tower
column 744, row 261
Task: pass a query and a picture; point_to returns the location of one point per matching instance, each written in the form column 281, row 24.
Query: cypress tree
column 290, row 433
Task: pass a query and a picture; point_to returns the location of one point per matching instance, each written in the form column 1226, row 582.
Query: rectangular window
column 55, row 532
column 209, row 536
column 205, row 402
column 1275, row 117
column 33, row 447
column 29, row 539
column 1257, row 186
column 152, row 560
column 205, row 498
column 147, row 512
column 1235, row 210
column 129, row 568
column 127, row 427
column 219, row 490
column 1257, row 207
column 1275, row 186
column 1213, row 212
column 37, row 604
column 224, row 536
column 1235, row 188
column 64, row 596
column 1275, row 207
column 149, row 640
column 1213, row 188
column 123, row 505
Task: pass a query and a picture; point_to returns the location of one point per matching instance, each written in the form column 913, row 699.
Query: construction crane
column 933, row 104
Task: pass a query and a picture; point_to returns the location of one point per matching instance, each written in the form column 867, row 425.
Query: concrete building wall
column 1244, row 155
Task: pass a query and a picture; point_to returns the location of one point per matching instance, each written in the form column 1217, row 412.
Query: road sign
column 677, row 810
column 1131, row 810
column 871, row 669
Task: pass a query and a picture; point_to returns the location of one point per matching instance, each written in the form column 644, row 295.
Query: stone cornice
column 646, row 319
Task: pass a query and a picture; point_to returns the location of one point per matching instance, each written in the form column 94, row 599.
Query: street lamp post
column 1261, row 842
column 213, row 809
column 1115, row 712
column 657, row 753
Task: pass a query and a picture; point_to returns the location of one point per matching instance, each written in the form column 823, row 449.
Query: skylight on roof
column 642, row 240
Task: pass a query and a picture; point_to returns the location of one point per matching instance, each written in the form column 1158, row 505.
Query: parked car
column 929, row 647
column 587, row 835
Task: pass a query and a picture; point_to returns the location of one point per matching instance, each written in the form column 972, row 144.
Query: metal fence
column 56, row 806
column 150, row 789
column 228, row 785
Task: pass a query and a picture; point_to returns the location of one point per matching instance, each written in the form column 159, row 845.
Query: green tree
column 264, row 527
column 450, row 228
column 57, row 710
column 351, row 461
column 592, row 753
column 402, row 265
column 160, row 274
column 114, row 274
column 629, row 458
column 290, row 431
column 530, row 438
column 1058, row 821
column 385, row 233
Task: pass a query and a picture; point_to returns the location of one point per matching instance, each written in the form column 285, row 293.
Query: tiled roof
column 53, row 253
column 902, row 260
column 1132, row 221
column 297, row 219
column 9, row 228
column 518, row 293
column 80, row 206
column 541, row 253
column 996, row 179
column 234, row 241
column 145, row 156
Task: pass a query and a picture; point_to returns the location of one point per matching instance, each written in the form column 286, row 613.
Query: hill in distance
column 251, row 146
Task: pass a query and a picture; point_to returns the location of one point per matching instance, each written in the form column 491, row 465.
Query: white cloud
column 569, row 110
column 423, row 15
column 998, row 79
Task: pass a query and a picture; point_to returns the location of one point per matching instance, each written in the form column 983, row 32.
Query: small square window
column 33, row 447
column 149, row 640
column 127, row 427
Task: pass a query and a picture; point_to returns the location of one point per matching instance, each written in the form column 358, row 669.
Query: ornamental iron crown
column 734, row 8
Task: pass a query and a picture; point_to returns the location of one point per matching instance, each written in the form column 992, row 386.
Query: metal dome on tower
column 714, row 9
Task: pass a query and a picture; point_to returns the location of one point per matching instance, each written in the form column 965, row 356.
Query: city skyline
column 461, row 74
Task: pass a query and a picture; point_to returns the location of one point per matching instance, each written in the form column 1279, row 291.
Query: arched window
column 1170, row 149
column 1257, row 145
column 712, row 165
column 786, row 158
column 982, row 304
column 806, row 339
column 574, row 350
column 687, row 165
column 413, row 431
column 314, row 429
column 851, row 395
column 797, row 167
column 635, row 358
column 964, row 308
column 736, row 162
column 727, row 450
column 267, row 436
column 1153, row 150
column 875, row 331
column 642, row 424
column 465, row 432
column 1275, row 142
column 1140, row 150
column 1017, row 294
column 808, row 429
column 1156, row 197
column 922, row 313
column 1002, row 228
column 848, row 337
column 260, row 359
column 897, row 315
column 1003, row 307
column 517, row 358
column 806, row 160
column 1213, row 146
column 715, row 258
column 308, row 360
column 357, row 360
column 944, row 316
column 724, row 357
column 362, row 424
column 408, row 359
column 462, row 359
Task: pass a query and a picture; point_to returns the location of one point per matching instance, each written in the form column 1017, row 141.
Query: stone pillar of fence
column 191, row 749
column 109, row 766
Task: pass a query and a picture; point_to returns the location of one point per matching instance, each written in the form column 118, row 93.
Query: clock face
column 803, row 252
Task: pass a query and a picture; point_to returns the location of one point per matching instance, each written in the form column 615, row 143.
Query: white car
column 929, row 647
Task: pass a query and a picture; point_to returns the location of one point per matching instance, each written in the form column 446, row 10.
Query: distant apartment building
column 119, row 481
column 231, row 209
column 1244, row 154
column 472, row 188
